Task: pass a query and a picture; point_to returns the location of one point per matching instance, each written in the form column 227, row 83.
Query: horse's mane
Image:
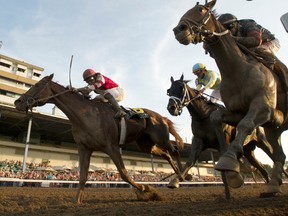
column 215, row 13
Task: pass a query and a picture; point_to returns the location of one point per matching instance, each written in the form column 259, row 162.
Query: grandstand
column 46, row 138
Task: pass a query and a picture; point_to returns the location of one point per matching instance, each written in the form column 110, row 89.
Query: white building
column 16, row 77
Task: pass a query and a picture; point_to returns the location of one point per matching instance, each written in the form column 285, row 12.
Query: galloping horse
column 204, row 135
column 94, row 128
column 253, row 95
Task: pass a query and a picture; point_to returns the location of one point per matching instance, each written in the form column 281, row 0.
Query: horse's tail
column 172, row 130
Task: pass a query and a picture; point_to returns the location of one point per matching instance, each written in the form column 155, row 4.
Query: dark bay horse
column 253, row 95
column 204, row 136
column 94, row 128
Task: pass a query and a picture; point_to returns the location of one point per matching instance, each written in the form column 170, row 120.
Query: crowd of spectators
column 43, row 171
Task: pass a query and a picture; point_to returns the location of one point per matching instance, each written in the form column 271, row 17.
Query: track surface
column 207, row 200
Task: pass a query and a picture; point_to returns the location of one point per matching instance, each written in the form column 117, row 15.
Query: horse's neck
column 69, row 103
column 225, row 50
column 199, row 108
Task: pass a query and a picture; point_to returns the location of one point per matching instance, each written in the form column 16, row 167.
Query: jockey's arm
column 84, row 90
column 248, row 42
column 212, row 80
column 252, row 36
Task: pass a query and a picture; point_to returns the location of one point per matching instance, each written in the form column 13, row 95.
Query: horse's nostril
column 176, row 30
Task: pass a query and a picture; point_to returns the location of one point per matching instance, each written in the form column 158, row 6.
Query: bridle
column 184, row 101
column 198, row 28
column 32, row 100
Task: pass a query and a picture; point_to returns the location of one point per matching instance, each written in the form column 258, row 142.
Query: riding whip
column 70, row 85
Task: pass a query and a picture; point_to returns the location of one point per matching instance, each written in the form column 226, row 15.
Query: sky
column 130, row 41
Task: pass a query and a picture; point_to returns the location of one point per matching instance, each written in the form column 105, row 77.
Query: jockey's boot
column 120, row 113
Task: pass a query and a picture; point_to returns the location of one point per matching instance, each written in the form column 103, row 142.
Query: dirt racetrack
column 208, row 200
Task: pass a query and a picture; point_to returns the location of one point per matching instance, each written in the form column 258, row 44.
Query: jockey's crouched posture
column 258, row 39
column 253, row 36
column 106, row 89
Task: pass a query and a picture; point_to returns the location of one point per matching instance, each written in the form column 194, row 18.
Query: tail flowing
column 172, row 130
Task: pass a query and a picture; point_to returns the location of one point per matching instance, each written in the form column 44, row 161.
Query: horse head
column 179, row 96
column 37, row 95
column 198, row 24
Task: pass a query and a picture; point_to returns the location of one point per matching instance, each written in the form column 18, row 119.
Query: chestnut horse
column 253, row 95
column 94, row 128
column 204, row 135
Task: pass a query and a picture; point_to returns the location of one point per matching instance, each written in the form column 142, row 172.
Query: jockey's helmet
column 197, row 67
column 88, row 73
column 227, row 20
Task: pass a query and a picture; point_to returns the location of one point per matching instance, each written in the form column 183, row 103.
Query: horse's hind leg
column 146, row 144
column 84, row 161
column 196, row 149
column 273, row 187
column 159, row 152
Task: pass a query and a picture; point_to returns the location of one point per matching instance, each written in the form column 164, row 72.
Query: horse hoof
column 173, row 184
column 188, row 177
column 273, row 187
column 228, row 163
column 234, row 179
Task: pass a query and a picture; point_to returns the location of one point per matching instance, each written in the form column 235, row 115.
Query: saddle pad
column 135, row 113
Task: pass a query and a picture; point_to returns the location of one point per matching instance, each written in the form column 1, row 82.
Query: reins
column 53, row 96
column 186, row 99
column 30, row 101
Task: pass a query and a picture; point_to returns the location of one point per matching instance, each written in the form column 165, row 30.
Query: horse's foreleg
column 144, row 193
column 196, row 149
column 229, row 160
column 117, row 159
column 84, row 161
column 249, row 154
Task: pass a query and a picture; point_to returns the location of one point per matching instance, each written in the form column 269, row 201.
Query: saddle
column 132, row 125
column 135, row 113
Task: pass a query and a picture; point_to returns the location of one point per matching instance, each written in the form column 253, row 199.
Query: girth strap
column 123, row 131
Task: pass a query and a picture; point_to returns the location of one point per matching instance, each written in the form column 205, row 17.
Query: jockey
column 105, row 87
column 253, row 36
column 209, row 80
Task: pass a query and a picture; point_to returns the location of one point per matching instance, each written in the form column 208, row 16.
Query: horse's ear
column 172, row 79
column 182, row 77
column 51, row 76
column 210, row 4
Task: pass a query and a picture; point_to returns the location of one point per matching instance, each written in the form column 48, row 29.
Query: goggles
column 90, row 79
column 198, row 71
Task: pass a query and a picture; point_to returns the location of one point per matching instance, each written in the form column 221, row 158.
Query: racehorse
column 94, row 128
column 253, row 94
column 204, row 136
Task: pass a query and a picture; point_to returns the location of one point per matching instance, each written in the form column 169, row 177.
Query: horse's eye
column 201, row 9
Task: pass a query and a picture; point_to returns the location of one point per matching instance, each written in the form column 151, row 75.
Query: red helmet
column 88, row 73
